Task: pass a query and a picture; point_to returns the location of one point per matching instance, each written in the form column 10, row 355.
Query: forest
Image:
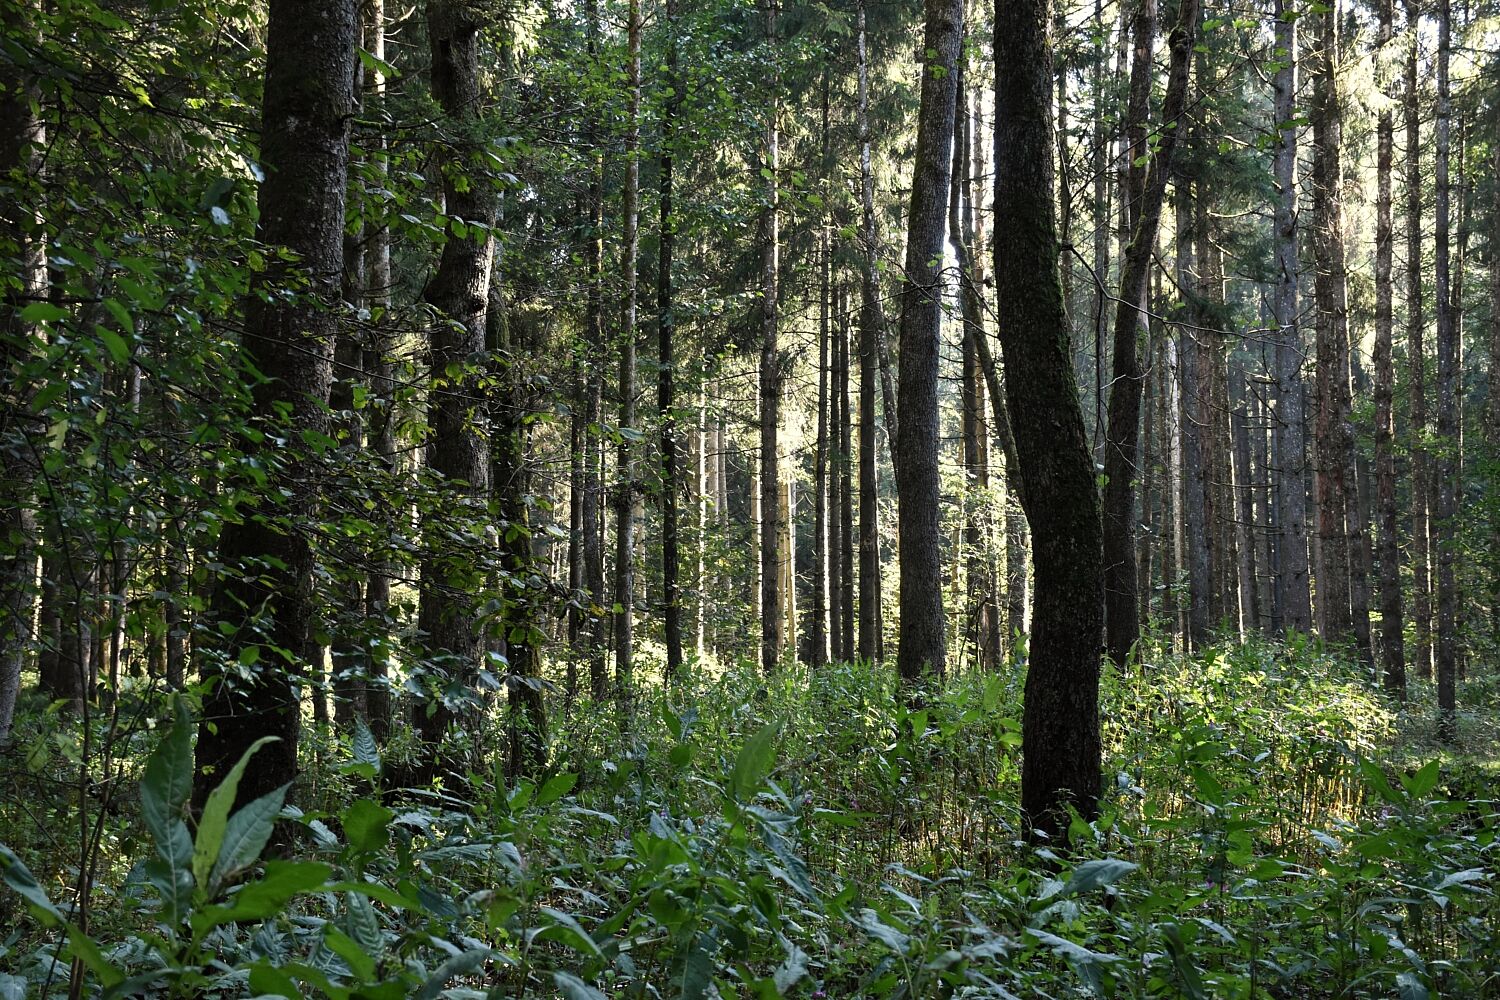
column 749, row 499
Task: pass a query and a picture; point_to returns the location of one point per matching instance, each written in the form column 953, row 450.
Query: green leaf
column 216, row 816
column 698, row 968
column 1409, row 987
column 1424, row 781
column 43, row 312
column 567, row 931
column 456, row 965
column 19, row 878
column 267, row 980
column 754, row 763
column 345, row 947
column 573, row 988
column 265, row 897
column 556, row 787
column 167, row 782
column 1093, row 874
column 246, row 834
column 365, row 749
column 365, row 825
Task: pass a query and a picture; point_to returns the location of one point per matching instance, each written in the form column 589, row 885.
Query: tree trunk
column 817, row 628
column 591, row 504
column 770, row 377
column 1293, row 594
column 918, row 488
column 625, row 488
column 1392, row 622
column 871, row 347
column 1446, row 513
column 1121, row 602
column 845, row 478
column 1061, row 752
column 451, row 583
column 1334, row 430
column 666, row 325
column 22, row 142
column 1195, row 494
column 305, row 154
column 1416, row 353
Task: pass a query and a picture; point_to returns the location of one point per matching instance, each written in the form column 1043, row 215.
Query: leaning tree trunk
column 918, row 487
column 22, row 137
column 1446, row 513
column 269, row 557
column 1292, row 591
column 1060, row 729
column 1121, row 604
column 448, row 613
column 1392, row 622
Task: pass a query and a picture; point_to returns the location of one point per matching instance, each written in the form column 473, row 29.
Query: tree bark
column 871, row 347
column 1061, row 749
column 626, row 487
column 1293, row 592
column 770, row 376
column 666, row 326
column 1416, row 353
column 1446, row 514
column 305, row 153
column 1121, row 601
column 1392, row 622
column 922, row 649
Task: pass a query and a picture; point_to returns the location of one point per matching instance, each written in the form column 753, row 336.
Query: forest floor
column 1272, row 827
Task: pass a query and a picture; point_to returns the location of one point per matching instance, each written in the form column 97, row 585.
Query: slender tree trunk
column 1293, row 592
column 1195, row 506
column 451, row 583
column 1446, row 513
column 918, row 488
column 846, row 488
column 1392, row 622
column 625, row 489
column 1147, row 193
column 592, row 503
column 1416, row 351
column 666, row 325
column 1244, row 495
column 1060, row 728
column 1493, row 388
column 871, row 347
column 1336, row 507
column 770, row 376
column 22, row 141
column 305, row 153
column 817, row 634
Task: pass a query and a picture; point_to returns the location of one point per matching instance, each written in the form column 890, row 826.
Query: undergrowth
column 1271, row 828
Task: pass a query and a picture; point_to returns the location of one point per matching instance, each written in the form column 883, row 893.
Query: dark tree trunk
column 22, row 139
column 770, row 380
column 591, row 504
column 1196, row 523
column 1416, row 354
column 305, row 154
column 448, row 615
column 871, row 341
column 1121, row 602
column 1061, row 724
column 1446, row 513
column 1293, row 593
column 817, row 622
column 1392, row 622
column 918, row 488
column 626, row 487
column 845, row 478
column 666, row 326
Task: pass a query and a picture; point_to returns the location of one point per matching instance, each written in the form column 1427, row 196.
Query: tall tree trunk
column 1243, row 513
column 1392, row 621
column 1334, row 428
column 1293, row 592
column 1060, row 728
column 1122, row 615
column 1493, row 388
column 592, row 502
column 1447, row 399
column 305, row 152
column 918, row 487
column 871, row 347
column 817, row 628
column 22, row 142
column 770, row 376
column 1193, row 427
column 1416, row 352
column 625, row 488
column 845, row 480
column 666, row 325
